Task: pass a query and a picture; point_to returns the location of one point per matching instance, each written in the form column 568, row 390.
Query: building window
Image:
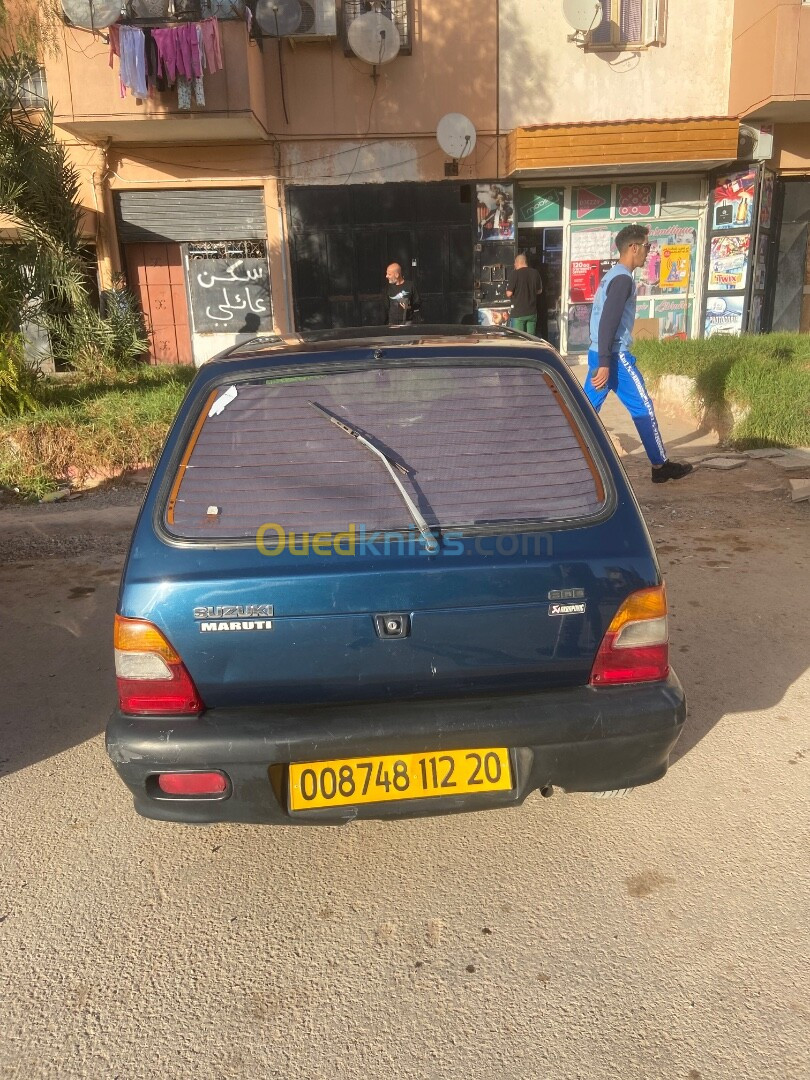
column 630, row 24
column 32, row 92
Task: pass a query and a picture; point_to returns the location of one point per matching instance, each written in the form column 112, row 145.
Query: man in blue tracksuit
column 611, row 365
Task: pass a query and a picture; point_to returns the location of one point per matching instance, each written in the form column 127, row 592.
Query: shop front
column 197, row 261
column 568, row 232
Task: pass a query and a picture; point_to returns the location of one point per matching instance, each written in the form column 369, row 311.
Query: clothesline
column 153, row 60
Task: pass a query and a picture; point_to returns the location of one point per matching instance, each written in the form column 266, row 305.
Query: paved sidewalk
column 681, row 438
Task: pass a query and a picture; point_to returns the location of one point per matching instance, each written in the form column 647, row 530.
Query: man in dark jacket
column 400, row 298
column 523, row 288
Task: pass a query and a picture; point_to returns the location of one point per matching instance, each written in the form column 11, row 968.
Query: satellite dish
column 582, row 15
column 278, row 18
column 374, row 38
column 456, row 135
column 92, row 14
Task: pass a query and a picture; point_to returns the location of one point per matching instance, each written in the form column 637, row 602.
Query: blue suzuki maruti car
column 388, row 572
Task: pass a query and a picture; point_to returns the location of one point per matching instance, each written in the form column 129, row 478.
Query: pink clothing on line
column 166, row 41
column 188, row 52
column 212, row 44
column 115, row 48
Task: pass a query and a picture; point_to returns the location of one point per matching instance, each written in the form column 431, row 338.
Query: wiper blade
column 431, row 543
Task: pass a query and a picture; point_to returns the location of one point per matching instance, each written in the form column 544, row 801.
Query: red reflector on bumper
column 196, row 783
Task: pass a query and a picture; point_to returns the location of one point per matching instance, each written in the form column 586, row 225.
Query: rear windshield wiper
column 431, row 543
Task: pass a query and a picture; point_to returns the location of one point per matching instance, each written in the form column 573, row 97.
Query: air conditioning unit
column 318, row 19
column 756, row 143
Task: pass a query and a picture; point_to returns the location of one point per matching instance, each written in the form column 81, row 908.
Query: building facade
column 272, row 196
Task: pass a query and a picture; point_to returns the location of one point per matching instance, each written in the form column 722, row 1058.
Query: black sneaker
column 671, row 470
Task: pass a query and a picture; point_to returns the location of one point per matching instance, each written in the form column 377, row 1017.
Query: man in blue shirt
column 611, row 364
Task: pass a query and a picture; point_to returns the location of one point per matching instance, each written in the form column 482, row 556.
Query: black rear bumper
column 580, row 739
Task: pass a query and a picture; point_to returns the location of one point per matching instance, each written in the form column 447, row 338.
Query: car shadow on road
column 59, row 683
column 735, row 566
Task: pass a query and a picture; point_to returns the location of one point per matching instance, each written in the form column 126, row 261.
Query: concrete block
column 793, row 459
column 722, row 464
column 764, row 453
column 799, row 490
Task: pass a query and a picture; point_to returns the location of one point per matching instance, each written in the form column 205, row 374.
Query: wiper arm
column 431, row 543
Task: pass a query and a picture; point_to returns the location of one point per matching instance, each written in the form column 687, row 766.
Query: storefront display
column 636, row 201
column 734, row 195
column 585, row 278
column 766, row 201
column 676, row 262
column 495, row 204
column 667, row 270
column 539, row 204
column 675, row 317
column 591, row 203
column 579, row 322
column 724, row 315
column 728, row 263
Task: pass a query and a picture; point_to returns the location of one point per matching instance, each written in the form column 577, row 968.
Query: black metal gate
column 342, row 239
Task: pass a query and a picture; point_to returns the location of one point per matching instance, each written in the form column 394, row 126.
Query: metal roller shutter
column 145, row 217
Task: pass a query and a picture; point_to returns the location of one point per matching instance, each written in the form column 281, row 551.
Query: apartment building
column 770, row 92
column 272, row 195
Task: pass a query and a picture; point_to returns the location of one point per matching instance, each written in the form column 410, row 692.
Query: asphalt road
column 660, row 936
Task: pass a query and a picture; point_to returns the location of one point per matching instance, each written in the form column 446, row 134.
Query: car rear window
column 480, row 445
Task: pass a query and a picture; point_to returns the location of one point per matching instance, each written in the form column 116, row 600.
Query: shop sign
column 593, row 243
column 585, row 278
column 495, row 208
column 724, row 315
column 676, row 261
column 636, row 200
column 734, row 200
column 230, row 296
column 674, row 317
column 755, row 319
column 728, row 263
column 592, row 203
column 766, row 201
column 539, row 204
column 579, row 327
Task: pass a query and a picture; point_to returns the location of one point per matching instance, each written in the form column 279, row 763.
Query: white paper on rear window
column 482, row 445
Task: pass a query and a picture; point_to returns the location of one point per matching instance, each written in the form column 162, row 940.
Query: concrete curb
column 678, row 395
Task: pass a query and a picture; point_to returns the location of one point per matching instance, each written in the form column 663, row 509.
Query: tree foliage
column 45, row 271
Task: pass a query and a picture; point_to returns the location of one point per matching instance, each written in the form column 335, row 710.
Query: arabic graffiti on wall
column 230, row 296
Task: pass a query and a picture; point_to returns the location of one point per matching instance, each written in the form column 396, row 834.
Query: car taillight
column 152, row 679
column 194, row 783
column 635, row 647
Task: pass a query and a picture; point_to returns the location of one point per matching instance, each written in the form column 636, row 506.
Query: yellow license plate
column 350, row 781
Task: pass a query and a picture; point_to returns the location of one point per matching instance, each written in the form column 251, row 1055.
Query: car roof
column 367, row 337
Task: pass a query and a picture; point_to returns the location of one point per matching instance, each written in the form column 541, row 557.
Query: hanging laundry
column 199, row 89
column 154, row 79
column 188, row 51
column 212, row 44
column 115, row 50
column 133, row 60
column 167, row 46
column 183, row 93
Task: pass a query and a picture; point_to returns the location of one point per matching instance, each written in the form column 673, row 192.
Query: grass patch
column 767, row 376
column 79, row 428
